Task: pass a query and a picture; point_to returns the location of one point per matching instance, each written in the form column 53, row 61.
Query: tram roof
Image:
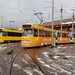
column 11, row 30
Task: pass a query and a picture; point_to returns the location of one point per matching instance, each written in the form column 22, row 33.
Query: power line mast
column 40, row 18
column 61, row 10
column 73, row 24
column 53, row 44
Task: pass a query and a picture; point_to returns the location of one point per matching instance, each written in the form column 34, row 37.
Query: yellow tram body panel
column 73, row 37
column 64, row 38
column 30, row 42
column 1, row 39
column 10, row 35
column 34, row 41
column 11, row 38
column 73, row 40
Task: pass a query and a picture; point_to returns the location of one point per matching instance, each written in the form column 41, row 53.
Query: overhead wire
column 56, row 11
column 67, row 12
column 31, row 6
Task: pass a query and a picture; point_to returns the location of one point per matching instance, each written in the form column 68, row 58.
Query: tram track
column 34, row 59
column 13, row 58
column 7, row 54
column 13, row 55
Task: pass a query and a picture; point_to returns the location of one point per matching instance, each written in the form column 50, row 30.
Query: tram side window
column 13, row 34
column 48, row 33
column 6, row 33
column 35, row 32
column 16, row 34
column 3, row 34
column 9, row 34
column 19, row 34
column 58, row 34
column 64, row 35
column 67, row 35
column 43, row 33
column 40, row 33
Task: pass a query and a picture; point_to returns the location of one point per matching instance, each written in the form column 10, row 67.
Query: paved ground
column 53, row 61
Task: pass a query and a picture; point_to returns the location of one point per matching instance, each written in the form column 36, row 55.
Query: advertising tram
column 10, row 35
column 34, row 35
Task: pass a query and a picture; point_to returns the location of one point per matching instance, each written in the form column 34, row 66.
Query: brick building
column 66, row 24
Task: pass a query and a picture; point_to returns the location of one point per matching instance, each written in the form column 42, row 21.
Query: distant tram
column 34, row 35
column 10, row 35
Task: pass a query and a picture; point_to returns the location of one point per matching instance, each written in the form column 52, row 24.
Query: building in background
column 66, row 24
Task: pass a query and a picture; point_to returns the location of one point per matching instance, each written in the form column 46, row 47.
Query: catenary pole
column 52, row 23
column 61, row 23
column 72, row 25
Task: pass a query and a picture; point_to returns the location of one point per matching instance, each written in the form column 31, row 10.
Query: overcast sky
column 22, row 11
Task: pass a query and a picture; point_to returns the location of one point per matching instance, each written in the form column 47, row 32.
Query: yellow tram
column 10, row 35
column 34, row 35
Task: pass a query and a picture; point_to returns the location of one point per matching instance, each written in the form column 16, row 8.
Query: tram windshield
column 27, row 32
column 1, row 33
